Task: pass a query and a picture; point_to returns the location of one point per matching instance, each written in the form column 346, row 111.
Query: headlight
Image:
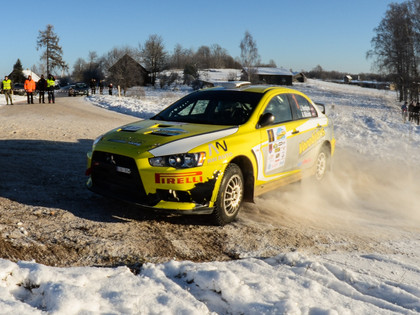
column 185, row 160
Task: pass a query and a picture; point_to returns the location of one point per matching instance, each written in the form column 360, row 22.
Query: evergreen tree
column 17, row 75
column 53, row 52
column 190, row 73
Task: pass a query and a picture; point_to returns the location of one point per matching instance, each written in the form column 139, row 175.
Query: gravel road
column 47, row 214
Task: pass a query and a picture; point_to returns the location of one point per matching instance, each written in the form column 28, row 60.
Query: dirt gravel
column 48, row 215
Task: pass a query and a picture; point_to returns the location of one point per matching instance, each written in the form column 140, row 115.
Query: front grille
column 117, row 176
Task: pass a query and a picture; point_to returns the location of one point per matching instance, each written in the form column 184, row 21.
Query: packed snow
column 367, row 123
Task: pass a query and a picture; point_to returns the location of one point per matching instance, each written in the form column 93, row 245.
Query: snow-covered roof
column 34, row 76
column 231, row 84
column 271, row 71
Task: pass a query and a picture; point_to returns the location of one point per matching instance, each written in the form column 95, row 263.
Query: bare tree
column 249, row 55
column 154, row 56
column 394, row 48
column 180, row 57
column 53, row 52
column 78, row 69
column 202, row 57
column 218, row 56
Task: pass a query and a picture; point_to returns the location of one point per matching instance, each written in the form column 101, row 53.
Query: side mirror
column 266, row 120
column 321, row 107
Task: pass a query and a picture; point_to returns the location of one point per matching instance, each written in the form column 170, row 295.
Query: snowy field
column 368, row 124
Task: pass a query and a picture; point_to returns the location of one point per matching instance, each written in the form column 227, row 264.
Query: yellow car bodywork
column 268, row 156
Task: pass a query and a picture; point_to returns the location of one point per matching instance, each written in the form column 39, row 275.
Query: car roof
column 258, row 89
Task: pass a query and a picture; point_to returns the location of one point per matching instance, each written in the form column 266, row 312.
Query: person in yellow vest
column 30, row 87
column 50, row 88
column 6, row 87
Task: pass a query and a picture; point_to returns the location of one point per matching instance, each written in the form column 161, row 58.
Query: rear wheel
column 322, row 164
column 230, row 196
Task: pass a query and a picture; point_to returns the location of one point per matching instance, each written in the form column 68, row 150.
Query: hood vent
column 168, row 132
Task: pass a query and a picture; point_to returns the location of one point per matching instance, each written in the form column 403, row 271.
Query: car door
column 308, row 129
column 276, row 150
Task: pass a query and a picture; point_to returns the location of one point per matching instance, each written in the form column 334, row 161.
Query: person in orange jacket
column 30, row 87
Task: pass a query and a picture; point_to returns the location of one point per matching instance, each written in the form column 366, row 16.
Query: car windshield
column 214, row 107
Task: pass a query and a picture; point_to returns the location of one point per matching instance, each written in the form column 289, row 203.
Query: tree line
column 151, row 54
column 395, row 51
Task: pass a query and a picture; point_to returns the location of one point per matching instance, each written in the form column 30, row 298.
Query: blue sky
column 297, row 35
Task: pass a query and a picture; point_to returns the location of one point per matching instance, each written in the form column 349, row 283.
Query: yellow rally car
column 213, row 149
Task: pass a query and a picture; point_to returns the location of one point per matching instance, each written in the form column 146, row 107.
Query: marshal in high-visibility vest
column 50, row 88
column 7, row 84
column 50, row 83
column 7, row 89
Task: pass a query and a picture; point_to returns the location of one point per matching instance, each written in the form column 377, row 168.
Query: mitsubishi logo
column 110, row 159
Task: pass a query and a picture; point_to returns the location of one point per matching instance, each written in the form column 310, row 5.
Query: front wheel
column 230, row 196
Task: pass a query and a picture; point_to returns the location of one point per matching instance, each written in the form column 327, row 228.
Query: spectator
column 93, row 86
column 30, row 87
column 404, row 111
column 41, row 87
column 110, row 87
column 416, row 112
column 410, row 111
column 6, row 87
column 50, row 88
column 101, row 86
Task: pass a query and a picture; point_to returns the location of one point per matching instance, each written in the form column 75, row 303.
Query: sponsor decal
column 270, row 133
column 217, row 146
column 316, row 135
column 304, row 162
column 277, row 148
column 220, row 157
column 179, row 178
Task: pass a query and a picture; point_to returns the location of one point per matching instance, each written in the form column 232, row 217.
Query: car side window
column 303, row 108
column 191, row 108
column 200, row 107
column 279, row 106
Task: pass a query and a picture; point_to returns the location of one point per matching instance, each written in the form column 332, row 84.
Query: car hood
column 165, row 137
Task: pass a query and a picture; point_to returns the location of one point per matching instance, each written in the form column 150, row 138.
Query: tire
column 230, row 196
column 322, row 164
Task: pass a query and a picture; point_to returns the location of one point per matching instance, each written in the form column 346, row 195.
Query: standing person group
column 31, row 87
column 6, row 87
column 414, row 112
